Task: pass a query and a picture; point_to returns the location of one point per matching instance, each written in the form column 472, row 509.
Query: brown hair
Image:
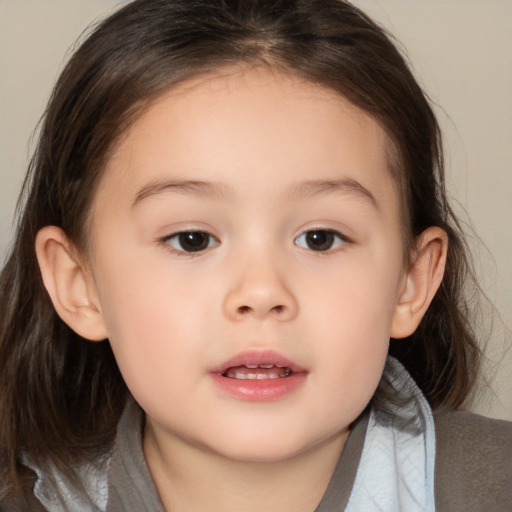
column 61, row 396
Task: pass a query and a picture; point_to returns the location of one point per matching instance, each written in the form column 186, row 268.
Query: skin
column 268, row 147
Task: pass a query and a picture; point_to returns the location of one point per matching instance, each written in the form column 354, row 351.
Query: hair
column 61, row 396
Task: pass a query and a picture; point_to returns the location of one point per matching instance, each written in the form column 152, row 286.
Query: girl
column 233, row 208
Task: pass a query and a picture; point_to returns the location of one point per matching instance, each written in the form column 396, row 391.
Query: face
column 247, row 258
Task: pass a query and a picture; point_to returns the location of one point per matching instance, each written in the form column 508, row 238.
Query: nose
column 259, row 292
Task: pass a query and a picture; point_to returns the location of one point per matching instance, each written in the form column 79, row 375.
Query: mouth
column 258, row 365
column 257, row 372
column 259, row 376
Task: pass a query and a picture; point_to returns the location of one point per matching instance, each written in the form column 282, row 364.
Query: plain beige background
column 461, row 51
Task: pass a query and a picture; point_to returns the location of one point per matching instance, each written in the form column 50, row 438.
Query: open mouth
column 258, row 372
column 259, row 376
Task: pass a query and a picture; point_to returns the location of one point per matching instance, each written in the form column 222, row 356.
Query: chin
column 260, row 456
column 261, row 448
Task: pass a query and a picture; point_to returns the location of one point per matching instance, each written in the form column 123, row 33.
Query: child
column 233, row 207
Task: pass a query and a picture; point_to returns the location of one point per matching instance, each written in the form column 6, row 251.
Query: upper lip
column 257, row 358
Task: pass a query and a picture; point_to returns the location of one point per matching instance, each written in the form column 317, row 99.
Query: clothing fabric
column 403, row 458
column 395, row 470
column 474, row 463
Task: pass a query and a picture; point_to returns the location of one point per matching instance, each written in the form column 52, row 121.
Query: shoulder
column 24, row 501
column 25, row 504
column 473, row 462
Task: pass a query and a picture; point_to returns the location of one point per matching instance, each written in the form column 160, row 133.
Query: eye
column 320, row 240
column 191, row 241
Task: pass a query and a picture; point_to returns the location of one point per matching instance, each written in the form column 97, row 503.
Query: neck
column 190, row 478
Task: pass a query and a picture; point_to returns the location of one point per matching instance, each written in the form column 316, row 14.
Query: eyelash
column 180, row 238
column 333, row 237
column 328, row 237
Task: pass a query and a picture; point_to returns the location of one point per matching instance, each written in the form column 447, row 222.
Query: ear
column 69, row 284
column 420, row 282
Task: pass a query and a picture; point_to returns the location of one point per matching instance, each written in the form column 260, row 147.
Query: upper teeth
column 243, row 372
column 252, row 376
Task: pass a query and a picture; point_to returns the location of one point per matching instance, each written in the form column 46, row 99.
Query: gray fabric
column 130, row 487
column 474, row 464
column 338, row 493
column 473, row 469
column 394, row 473
column 59, row 495
column 132, row 490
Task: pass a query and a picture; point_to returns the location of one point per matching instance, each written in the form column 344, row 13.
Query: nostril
column 243, row 310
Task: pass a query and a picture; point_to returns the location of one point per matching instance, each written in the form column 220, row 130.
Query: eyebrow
column 193, row 187
column 305, row 189
column 344, row 185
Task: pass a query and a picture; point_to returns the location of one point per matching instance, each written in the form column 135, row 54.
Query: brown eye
column 320, row 240
column 191, row 241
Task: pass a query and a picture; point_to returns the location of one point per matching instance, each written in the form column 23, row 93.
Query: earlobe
column 421, row 282
column 70, row 288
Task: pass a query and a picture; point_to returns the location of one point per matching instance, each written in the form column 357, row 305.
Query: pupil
column 194, row 241
column 320, row 240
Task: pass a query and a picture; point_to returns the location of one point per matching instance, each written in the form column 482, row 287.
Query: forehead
column 243, row 126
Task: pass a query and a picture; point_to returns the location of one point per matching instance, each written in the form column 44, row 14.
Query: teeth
column 252, row 376
column 242, row 373
column 254, row 366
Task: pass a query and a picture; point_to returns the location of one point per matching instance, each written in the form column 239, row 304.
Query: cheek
column 151, row 318
column 357, row 296
column 351, row 316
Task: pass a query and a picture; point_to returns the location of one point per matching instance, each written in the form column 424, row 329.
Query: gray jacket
column 473, row 469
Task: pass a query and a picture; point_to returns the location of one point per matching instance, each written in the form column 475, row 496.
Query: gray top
column 131, row 487
column 473, row 467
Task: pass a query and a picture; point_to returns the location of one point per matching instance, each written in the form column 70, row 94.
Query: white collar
column 395, row 473
column 396, row 470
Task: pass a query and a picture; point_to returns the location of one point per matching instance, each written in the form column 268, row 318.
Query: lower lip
column 259, row 390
